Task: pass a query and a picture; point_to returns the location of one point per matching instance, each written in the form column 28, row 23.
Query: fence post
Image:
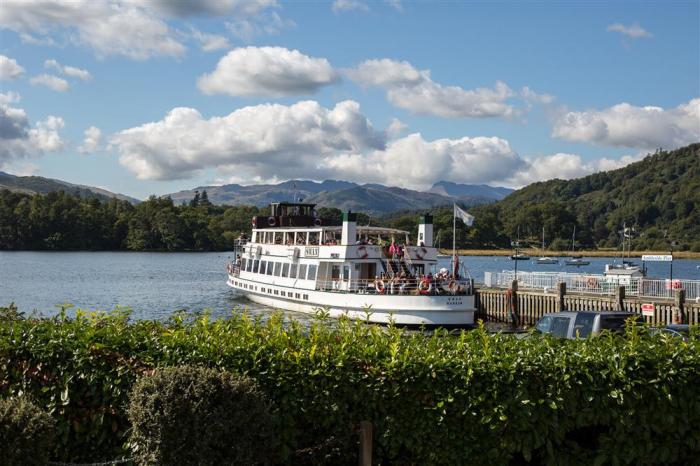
column 365, row 458
column 679, row 309
column 621, row 298
column 514, row 311
column 561, row 292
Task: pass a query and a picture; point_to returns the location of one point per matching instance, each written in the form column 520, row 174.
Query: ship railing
column 596, row 284
column 396, row 286
column 233, row 269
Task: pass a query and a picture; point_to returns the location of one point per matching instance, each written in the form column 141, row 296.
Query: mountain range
column 41, row 185
column 344, row 195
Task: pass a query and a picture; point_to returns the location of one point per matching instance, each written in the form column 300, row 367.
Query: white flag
column 467, row 218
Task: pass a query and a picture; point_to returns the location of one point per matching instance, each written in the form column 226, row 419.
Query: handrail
column 396, row 286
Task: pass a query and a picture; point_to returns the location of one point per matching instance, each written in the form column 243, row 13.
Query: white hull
column 448, row 310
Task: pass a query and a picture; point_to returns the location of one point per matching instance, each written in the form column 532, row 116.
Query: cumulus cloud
column 633, row 31
column 9, row 97
column 210, row 42
column 18, row 140
column 531, row 96
column 185, row 8
column 9, row 68
column 348, row 5
column 414, row 90
column 267, row 71
column 52, row 82
column 264, row 140
column 83, row 75
column 91, row 142
column 626, row 125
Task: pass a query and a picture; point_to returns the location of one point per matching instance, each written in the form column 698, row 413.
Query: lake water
column 156, row 284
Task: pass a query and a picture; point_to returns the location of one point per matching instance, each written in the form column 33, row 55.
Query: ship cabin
column 294, row 248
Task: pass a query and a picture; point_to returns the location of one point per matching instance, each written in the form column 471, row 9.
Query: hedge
column 26, row 433
column 464, row 398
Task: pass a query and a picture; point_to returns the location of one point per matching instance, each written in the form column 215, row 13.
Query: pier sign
column 648, row 309
column 657, row 258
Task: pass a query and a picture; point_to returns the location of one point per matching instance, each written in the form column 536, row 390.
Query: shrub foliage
column 196, row 416
column 26, row 433
column 467, row 398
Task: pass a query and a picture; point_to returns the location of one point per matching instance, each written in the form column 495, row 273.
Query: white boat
column 544, row 259
column 294, row 262
column 577, row 261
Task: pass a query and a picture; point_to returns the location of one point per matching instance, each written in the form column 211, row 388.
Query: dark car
column 674, row 330
column 581, row 324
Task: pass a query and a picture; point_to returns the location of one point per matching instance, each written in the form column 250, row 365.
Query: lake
column 156, row 284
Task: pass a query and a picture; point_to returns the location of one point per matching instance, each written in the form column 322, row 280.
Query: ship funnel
column 425, row 231
column 349, row 229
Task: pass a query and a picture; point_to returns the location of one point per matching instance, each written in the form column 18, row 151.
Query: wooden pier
column 527, row 306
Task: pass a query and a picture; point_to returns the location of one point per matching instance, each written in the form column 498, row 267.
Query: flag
column 467, row 218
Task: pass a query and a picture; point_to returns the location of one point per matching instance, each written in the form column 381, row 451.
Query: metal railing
column 397, row 286
column 598, row 284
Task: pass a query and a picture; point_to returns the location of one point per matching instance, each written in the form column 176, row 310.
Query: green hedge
column 466, row 398
column 26, row 433
column 193, row 416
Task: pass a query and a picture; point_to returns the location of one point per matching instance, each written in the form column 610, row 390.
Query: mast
column 542, row 239
column 454, row 236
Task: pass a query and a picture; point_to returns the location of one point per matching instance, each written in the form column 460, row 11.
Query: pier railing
column 595, row 284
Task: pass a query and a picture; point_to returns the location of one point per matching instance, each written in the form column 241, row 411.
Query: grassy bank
column 467, row 398
column 589, row 253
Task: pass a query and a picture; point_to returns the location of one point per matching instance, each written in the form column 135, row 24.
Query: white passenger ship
column 294, row 262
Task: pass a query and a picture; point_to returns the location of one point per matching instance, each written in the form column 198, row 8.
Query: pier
column 523, row 301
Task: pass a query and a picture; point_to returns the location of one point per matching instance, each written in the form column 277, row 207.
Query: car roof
column 601, row 313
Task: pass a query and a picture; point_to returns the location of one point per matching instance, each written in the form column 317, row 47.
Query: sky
column 149, row 97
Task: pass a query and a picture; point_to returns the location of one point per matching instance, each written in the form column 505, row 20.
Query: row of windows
column 279, row 269
column 271, row 291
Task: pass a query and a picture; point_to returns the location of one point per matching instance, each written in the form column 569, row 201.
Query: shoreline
column 534, row 253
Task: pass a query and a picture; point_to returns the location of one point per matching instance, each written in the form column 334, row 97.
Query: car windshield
column 583, row 324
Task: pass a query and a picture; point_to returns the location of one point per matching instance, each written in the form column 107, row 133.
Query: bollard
column 513, row 305
column 365, row 457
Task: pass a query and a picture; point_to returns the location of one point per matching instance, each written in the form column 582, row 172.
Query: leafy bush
column 26, row 433
column 466, row 398
column 196, row 416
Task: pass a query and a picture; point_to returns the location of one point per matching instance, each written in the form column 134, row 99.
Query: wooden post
column 561, row 292
column 621, row 298
column 679, row 309
column 514, row 314
column 365, row 458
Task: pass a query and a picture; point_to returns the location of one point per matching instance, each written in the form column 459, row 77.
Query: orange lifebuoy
column 379, row 286
column 425, row 287
column 362, row 252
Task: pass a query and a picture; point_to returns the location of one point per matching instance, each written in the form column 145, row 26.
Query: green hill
column 658, row 196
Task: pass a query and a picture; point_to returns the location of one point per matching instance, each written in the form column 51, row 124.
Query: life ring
column 362, row 252
column 425, row 287
column 420, row 254
column 272, row 221
column 592, row 282
column 379, row 286
column 317, row 222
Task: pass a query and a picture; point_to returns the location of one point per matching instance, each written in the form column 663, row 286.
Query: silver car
column 581, row 324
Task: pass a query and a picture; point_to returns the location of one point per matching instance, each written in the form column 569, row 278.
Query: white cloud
column 92, row 141
column 414, row 90
column 185, row 8
column 9, row 68
column 625, row 125
column 348, row 5
column 396, row 128
column 9, row 97
column 247, row 28
column 267, row 71
column 110, row 28
column 263, row 140
column 210, row 42
column 531, row 96
column 52, row 82
column 395, row 4
column 19, row 141
column 633, row 31
column 71, row 71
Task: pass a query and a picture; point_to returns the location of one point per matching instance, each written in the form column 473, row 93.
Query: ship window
column 283, row 293
column 346, row 272
column 296, row 295
column 256, row 264
column 263, row 266
column 278, row 269
column 306, row 296
column 293, row 271
column 312, row 272
column 276, row 292
column 335, row 272
column 285, row 270
column 269, row 267
column 313, row 238
column 302, row 271
column 301, row 237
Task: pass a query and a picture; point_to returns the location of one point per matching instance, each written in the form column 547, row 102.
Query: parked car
column 581, row 324
column 675, row 330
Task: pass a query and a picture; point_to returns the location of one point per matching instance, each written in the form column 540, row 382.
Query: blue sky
column 401, row 93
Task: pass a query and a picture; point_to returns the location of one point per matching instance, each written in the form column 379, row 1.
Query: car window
column 583, row 324
column 560, row 326
column 544, row 324
column 613, row 323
